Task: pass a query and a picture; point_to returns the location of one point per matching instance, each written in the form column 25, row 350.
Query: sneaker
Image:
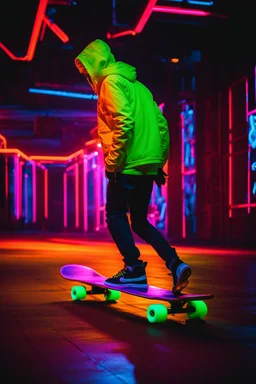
column 129, row 276
column 180, row 273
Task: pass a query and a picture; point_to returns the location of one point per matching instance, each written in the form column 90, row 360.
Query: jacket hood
column 100, row 62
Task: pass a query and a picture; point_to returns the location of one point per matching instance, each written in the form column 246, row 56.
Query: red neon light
column 152, row 7
column 40, row 20
column 145, row 16
column 249, row 152
column 180, row 11
column 58, row 32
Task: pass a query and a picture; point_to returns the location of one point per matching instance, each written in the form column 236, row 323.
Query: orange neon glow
column 175, row 60
column 13, row 151
column 4, row 141
column 39, row 24
column 58, row 158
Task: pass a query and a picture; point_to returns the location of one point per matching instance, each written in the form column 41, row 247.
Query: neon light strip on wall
column 230, row 152
column 65, row 203
column 85, row 192
column 34, row 192
column 182, row 178
column 77, row 95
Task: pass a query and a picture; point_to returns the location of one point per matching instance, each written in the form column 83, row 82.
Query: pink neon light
column 243, row 205
column 26, row 195
column 145, row 16
column 249, row 149
column 6, row 179
column 77, row 194
column 152, row 7
column 46, row 193
column 180, row 11
column 57, row 30
column 17, row 185
column 65, row 205
column 20, row 188
column 34, row 192
column 182, row 178
column 230, row 151
column 85, row 197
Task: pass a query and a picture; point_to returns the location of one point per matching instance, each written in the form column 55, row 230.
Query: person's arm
column 122, row 121
column 164, row 133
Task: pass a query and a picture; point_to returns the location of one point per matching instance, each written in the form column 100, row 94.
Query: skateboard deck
column 191, row 304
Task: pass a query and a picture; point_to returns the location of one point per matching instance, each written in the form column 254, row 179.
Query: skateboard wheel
column 112, row 295
column 157, row 313
column 200, row 307
column 78, row 292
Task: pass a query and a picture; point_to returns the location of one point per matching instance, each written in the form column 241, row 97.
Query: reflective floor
column 48, row 338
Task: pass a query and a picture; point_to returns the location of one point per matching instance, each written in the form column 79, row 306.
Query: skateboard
column 192, row 304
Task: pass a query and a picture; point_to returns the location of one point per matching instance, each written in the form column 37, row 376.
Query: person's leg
column 138, row 202
column 133, row 273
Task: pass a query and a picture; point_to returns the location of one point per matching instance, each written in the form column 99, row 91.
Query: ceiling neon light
column 40, row 20
column 152, row 7
column 88, row 96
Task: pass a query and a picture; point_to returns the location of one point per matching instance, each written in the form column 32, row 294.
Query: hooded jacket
column 133, row 132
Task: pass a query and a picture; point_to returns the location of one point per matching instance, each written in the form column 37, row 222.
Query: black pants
column 133, row 193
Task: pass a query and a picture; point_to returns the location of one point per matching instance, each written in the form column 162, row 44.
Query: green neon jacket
column 133, row 132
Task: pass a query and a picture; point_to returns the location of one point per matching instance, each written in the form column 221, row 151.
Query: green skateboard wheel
column 157, row 313
column 112, row 295
column 200, row 307
column 78, row 292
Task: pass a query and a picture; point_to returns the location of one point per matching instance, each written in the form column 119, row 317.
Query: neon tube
column 15, row 151
column 34, row 192
column 6, row 179
column 85, row 196
column 16, row 186
column 97, row 196
column 26, row 196
column 87, row 96
column 34, row 36
column 4, row 141
column 182, row 178
column 145, row 16
column 230, row 152
column 20, row 188
column 57, row 158
column 77, row 194
column 198, row 2
column 65, row 206
column 57, row 30
column 46, row 213
column 179, row 11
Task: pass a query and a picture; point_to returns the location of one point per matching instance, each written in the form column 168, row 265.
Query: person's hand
column 160, row 178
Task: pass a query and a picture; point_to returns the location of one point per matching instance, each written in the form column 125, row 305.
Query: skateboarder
column 135, row 141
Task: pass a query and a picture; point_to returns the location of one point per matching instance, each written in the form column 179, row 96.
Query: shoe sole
column 182, row 282
column 127, row 285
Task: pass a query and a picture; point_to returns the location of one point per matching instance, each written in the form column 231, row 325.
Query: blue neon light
column 207, row 3
column 64, row 93
column 201, row 2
